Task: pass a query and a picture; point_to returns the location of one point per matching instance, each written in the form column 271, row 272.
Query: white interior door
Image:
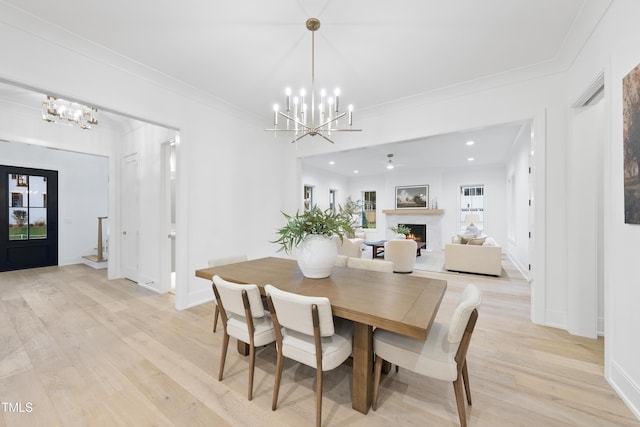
column 129, row 213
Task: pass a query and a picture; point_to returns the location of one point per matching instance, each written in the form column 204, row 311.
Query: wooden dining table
column 396, row 302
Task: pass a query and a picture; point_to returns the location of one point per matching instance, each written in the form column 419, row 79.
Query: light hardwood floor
column 78, row 349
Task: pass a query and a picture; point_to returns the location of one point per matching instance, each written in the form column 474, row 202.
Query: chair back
column 295, row 311
column 231, row 297
column 469, row 301
column 370, row 264
column 402, row 253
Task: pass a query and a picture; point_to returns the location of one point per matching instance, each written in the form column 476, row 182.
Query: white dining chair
column 244, row 318
column 216, row 262
column 442, row 356
column 307, row 333
column 370, row 264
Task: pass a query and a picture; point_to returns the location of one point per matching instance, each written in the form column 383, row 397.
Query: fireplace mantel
column 414, row 212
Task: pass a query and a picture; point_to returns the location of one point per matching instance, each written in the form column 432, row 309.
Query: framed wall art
column 412, row 197
column 631, row 142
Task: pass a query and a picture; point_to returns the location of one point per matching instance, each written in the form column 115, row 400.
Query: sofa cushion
column 476, row 241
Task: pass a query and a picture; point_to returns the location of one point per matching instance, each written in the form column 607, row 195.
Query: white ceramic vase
column 316, row 256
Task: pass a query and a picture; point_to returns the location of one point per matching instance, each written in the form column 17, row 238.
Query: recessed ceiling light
column 355, row 171
column 332, row 162
column 470, row 159
column 470, row 143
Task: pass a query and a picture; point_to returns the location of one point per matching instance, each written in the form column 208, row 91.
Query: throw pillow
column 477, row 241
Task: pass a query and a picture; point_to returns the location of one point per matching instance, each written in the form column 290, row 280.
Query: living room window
column 471, row 206
column 368, row 209
column 308, row 198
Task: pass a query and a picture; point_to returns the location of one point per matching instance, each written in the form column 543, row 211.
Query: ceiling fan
column 390, row 163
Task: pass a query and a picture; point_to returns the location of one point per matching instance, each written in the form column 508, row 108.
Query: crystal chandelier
column 302, row 120
column 57, row 109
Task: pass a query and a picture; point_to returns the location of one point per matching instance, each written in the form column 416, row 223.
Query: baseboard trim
column 628, row 391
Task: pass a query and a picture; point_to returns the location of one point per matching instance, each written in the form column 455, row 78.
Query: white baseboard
column 523, row 269
column 628, row 391
column 199, row 297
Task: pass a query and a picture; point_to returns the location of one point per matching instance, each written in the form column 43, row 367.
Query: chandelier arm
column 322, row 135
column 300, row 137
column 293, row 120
column 320, row 126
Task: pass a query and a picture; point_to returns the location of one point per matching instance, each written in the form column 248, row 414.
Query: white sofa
column 481, row 259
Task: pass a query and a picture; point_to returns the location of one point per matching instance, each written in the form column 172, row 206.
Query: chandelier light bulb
column 287, row 92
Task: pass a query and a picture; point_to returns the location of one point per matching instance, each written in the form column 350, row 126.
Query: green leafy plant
column 401, row 229
column 315, row 221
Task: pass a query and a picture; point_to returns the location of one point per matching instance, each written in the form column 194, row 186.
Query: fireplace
column 418, row 230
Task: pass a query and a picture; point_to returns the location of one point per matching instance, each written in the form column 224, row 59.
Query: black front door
column 28, row 218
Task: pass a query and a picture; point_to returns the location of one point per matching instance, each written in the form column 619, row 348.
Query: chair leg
column 215, row 318
column 457, row 388
column 318, row 397
column 223, row 356
column 376, row 382
column 465, row 379
column 276, row 385
column 252, row 362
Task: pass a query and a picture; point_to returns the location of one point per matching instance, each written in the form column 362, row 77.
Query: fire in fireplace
column 419, row 231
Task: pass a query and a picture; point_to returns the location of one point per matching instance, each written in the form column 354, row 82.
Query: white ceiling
column 377, row 52
column 491, row 146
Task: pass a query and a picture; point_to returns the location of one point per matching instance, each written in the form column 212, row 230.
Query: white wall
column 82, row 193
column 615, row 49
column 322, row 182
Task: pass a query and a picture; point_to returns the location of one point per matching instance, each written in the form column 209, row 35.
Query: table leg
column 362, row 388
column 243, row 348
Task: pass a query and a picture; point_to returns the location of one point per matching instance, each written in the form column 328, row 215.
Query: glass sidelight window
column 27, row 207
